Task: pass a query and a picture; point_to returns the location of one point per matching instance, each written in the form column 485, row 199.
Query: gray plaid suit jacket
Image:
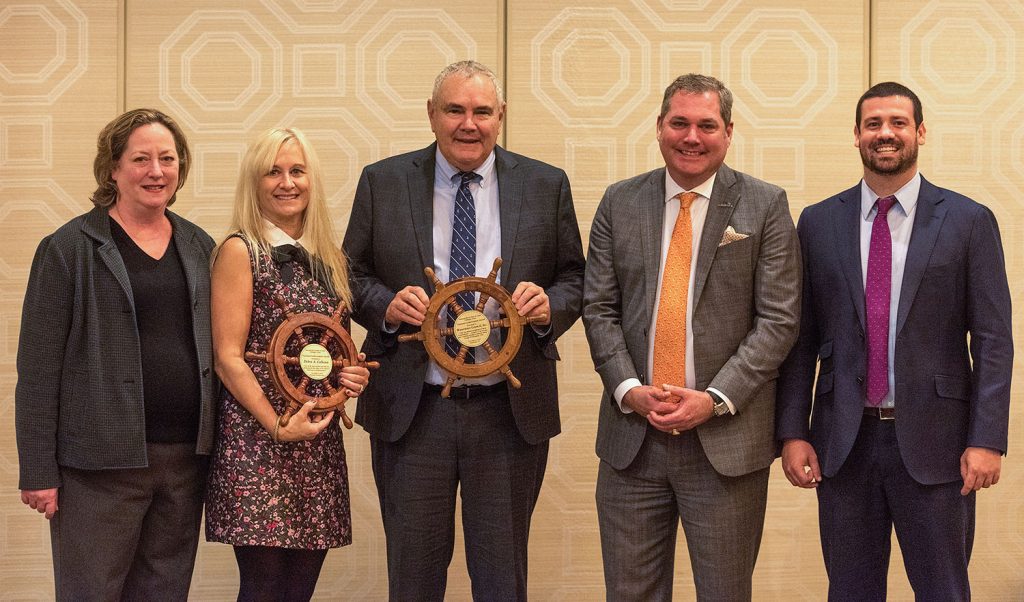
column 745, row 310
column 389, row 241
column 78, row 402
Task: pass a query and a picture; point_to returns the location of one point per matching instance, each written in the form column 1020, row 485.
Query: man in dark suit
column 691, row 303
column 906, row 315
column 489, row 440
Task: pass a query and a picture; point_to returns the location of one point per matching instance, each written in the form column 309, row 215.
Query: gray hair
column 695, row 83
column 467, row 69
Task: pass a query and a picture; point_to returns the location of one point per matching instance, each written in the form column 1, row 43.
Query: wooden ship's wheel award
column 471, row 328
column 325, row 347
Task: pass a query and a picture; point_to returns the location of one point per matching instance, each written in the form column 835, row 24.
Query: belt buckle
column 881, row 413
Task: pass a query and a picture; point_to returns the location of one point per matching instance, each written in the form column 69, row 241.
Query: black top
column 170, row 378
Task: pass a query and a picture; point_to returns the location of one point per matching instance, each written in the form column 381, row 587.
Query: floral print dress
column 261, row 493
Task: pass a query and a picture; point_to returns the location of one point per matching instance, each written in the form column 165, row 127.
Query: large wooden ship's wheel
column 324, row 348
column 471, row 328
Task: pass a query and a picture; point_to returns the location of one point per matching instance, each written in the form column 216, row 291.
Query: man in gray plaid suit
column 686, row 421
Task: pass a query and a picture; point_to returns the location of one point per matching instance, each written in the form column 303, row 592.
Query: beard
column 905, row 158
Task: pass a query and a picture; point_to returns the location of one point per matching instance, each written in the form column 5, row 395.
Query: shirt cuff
column 388, row 329
column 725, row 398
column 622, row 389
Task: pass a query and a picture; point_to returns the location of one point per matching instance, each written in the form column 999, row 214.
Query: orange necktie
column 670, row 329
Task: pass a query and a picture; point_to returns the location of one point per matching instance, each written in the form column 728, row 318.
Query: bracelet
column 277, row 427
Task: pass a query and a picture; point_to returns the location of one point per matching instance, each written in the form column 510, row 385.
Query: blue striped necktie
column 462, row 261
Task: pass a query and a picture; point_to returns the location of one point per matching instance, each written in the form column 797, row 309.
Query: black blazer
column 78, row 402
column 389, row 241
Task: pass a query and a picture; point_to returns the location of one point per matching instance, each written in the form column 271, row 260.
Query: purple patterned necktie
column 876, row 302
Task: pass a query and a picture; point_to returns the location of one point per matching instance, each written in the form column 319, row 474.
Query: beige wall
column 583, row 82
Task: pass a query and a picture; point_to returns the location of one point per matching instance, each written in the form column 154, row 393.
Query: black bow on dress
column 285, row 255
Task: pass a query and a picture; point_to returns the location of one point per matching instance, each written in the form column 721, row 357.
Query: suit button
column 206, row 372
column 860, row 380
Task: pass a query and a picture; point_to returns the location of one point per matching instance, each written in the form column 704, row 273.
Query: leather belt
column 880, row 413
column 468, row 391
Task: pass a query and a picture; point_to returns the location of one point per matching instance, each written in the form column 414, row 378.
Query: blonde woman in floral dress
column 278, row 494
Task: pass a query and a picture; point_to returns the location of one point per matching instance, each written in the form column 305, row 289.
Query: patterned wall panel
column 963, row 60
column 584, row 82
column 58, row 87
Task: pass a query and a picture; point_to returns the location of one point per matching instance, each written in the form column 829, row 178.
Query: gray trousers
column 639, row 510
column 129, row 534
column 469, row 446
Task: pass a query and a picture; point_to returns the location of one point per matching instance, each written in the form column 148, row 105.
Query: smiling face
column 693, row 137
column 887, row 136
column 466, row 119
column 146, row 175
column 284, row 189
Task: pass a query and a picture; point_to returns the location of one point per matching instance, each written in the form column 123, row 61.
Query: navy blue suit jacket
column 390, row 240
column 954, row 348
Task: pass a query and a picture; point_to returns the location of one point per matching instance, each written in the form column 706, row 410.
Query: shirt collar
column 277, row 237
column 703, row 189
column 446, row 172
column 906, row 196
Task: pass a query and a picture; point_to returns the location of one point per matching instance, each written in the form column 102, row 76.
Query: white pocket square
column 730, row 236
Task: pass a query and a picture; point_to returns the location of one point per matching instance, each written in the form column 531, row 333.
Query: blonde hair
column 318, row 237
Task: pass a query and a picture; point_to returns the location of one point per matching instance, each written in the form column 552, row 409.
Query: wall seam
column 504, row 64
column 869, row 37
column 122, row 56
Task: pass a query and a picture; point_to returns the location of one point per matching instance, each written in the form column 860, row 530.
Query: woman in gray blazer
column 114, row 402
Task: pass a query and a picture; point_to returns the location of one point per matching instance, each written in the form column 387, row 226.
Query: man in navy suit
column 488, row 441
column 908, row 323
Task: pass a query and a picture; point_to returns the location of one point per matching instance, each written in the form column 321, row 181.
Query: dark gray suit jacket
column 950, row 393
column 78, row 402
column 745, row 310
column 389, row 241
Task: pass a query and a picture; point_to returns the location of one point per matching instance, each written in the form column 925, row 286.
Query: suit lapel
column 189, row 258
column 651, row 207
column 927, row 223
column 421, row 206
column 724, row 198
column 846, row 228
column 510, row 202
column 97, row 226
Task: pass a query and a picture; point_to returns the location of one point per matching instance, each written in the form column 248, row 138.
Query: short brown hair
column 114, row 138
column 695, row 83
column 887, row 89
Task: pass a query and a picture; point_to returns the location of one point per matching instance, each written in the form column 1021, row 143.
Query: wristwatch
column 720, row 408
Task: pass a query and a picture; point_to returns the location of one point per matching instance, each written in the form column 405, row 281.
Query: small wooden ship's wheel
column 471, row 328
column 325, row 347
